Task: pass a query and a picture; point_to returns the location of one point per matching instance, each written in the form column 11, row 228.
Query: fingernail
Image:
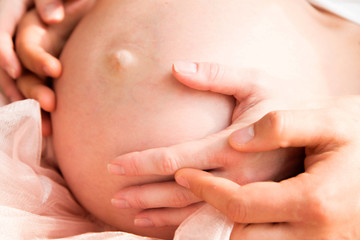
column 120, row 203
column 182, row 181
column 53, row 11
column 143, row 222
column 116, row 169
column 185, row 67
column 243, row 136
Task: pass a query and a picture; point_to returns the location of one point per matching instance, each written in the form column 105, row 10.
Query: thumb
column 240, row 83
column 282, row 129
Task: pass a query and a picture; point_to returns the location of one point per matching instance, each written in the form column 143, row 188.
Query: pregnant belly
column 117, row 95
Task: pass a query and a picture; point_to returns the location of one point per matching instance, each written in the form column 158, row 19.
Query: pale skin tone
column 176, row 157
column 321, row 203
column 11, row 12
column 44, row 44
column 261, row 93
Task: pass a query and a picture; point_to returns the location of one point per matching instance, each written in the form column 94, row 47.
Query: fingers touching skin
column 250, row 87
column 171, row 204
column 215, row 77
column 8, row 87
column 39, row 45
column 276, row 130
column 321, row 203
column 8, row 59
column 168, row 207
column 276, row 231
column 50, row 11
column 165, row 161
column 135, row 197
column 34, row 88
column 232, row 199
column 10, row 14
column 165, row 216
column 213, row 151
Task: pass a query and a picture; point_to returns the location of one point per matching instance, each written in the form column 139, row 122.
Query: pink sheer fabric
column 34, row 200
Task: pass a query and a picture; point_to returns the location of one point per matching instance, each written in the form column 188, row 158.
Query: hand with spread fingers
column 255, row 94
column 321, row 203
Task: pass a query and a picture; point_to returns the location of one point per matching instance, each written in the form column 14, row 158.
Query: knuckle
column 164, row 219
column 137, row 201
column 161, row 221
column 276, row 122
column 341, row 125
column 321, row 209
column 180, row 199
column 216, row 73
column 259, row 84
column 135, row 165
column 257, row 76
column 236, row 210
column 169, row 164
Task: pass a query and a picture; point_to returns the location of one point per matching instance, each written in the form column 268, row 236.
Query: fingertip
column 181, row 173
column 8, row 58
column 184, row 176
column 34, row 88
column 14, row 71
column 43, row 63
column 240, row 138
column 52, row 12
column 115, row 169
column 52, row 68
column 46, row 99
column 182, row 67
column 143, row 222
column 182, row 181
column 11, row 65
column 189, row 74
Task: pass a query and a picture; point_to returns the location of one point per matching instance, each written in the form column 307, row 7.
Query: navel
column 122, row 59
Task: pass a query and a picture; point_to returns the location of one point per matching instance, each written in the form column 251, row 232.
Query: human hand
column 253, row 90
column 11, row 12
column 38, row 46
column 321, row 203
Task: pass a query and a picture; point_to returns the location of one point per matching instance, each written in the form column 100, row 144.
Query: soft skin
column 11, row 12
column 321, row 203
column 117, row 95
